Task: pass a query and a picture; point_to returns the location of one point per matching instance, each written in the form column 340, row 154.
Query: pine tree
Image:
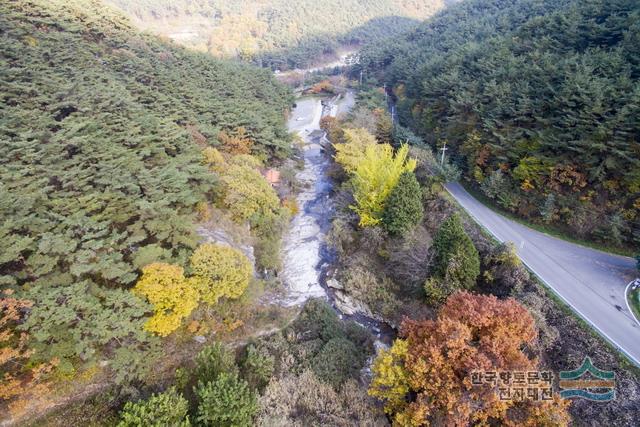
column 403, row 209
column 384, row 129
column 457, row 262
column 227, row 401
column 566, row 126
column 214, row 360
column 163, row 409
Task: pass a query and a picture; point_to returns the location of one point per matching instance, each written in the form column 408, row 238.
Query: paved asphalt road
column 590, row 281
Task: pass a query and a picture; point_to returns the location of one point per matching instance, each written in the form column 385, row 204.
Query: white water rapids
column 303, row 242
column 306, row 255
column 304, row 249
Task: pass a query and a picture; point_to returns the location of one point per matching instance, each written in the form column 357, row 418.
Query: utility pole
column 361, row 71
column 444, row 148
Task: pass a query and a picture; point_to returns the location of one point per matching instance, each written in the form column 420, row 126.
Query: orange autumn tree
column 334, row 129
column 323, row 86
column 425, row 378
column 237, row 142
column 21, row 382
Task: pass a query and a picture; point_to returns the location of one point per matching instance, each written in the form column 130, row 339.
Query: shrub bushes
column 304, row 400
column 160, row 410
column 226, row 401
column 214, row 360
column 337, row 361
column 318, row 320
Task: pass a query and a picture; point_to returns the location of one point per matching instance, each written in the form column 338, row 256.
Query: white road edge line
column 626, row 298
column 576, row 310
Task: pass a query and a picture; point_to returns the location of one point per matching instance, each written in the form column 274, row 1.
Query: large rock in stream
column 350, row 306
column 334, row 284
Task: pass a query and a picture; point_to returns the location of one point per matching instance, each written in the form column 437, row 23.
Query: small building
column 272, row 176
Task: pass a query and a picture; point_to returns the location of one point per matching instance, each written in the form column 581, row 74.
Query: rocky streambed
column 307, row 259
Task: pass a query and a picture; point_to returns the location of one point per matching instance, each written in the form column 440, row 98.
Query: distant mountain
column 539, row 100
column 276, row 33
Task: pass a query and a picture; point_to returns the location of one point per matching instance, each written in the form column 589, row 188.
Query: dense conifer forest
column 98, row 130
column 101, row 173
column 539, row 101
column 277, row 33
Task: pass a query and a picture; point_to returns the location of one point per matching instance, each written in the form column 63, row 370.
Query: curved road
column 591, row 282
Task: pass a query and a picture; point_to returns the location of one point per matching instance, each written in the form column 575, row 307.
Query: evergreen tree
column 163, row 409
column 214, row 360
column 227, row 401
column 457, row 262
column 257, row 367
column 384, row 128
column 543, row 102
column 403, row 209
column 76, row 324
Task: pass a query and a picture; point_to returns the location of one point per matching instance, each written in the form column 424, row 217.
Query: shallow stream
column 307, row 257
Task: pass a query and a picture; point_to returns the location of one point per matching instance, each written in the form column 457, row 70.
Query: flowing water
column 307, row 257
column 303, row 241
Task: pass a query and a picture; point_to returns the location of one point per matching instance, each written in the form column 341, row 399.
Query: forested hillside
column 101, row 171
column 539, row 101
column 277, row 33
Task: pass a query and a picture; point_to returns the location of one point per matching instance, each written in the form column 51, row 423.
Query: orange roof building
column 272, row 176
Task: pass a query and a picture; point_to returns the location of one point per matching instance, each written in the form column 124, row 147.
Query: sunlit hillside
column 277, row 33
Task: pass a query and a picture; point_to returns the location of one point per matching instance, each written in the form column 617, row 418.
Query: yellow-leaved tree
column 247, row 195
column 173, row 296
column 220, row 271
column 374, row 178
column 374, row 169
column 391, row 381
column 214, row 159
column 352, row 151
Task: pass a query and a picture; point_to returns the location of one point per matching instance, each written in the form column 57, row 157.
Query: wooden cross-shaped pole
column 444, row 148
